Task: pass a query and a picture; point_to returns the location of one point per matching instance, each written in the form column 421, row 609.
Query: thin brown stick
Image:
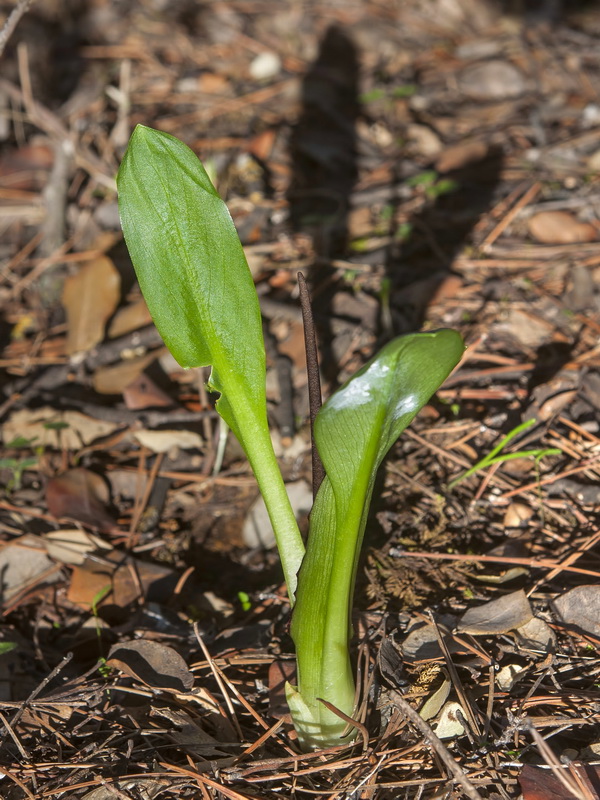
column 352, row 723
column 314, row 380
column 437, row 746
column 11, row 23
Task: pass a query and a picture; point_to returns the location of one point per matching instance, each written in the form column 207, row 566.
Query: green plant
column 194, row 276
column 103, row 667
column 496, row 456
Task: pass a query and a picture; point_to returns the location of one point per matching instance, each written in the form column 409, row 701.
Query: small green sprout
column 244, row 601
column 195, row 279
column 496, row 456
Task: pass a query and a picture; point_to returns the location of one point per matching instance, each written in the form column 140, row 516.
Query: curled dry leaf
column 560, row 227
column 508, row 676
column 538, row 783
column 82, row 495
column 431, row 707
column 153, row 664
column 90, row 297
column 498, row 616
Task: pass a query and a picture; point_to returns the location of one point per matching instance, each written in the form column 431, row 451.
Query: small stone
column 492, row 80
column 517, row 514
column 424, row 140
column 266, row 65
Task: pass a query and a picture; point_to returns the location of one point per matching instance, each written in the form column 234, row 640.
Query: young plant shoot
column 194, row 276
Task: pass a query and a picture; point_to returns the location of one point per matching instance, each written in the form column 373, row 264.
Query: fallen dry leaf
column 82, row 495
column 143, row 393
column 116, row 378
column 127, row 578
column 153, row 664
column 71, row 546
column 560, row 227
column 46, row 427
column 538, row 783
column 535, row 635
column 163, row 441
column 579, row 609
column 498, row 616
column 461, row 155
column 129, row 318
column 90, row 298
column 22, row 563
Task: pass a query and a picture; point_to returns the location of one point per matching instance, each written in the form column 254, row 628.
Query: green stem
column 259, row 450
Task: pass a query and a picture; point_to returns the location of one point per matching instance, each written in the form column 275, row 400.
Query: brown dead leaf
column 144, row 393
column 153, row 664
column 461, row 155
column 129, row 318
column 163, row 441
column 538, row 783
column 498, row 616
column 535, row 635
column 90, row 298
column 579, row 609
column 22, row 563
column 126, row 578
column 560, row 227
column 116, row 378
column 279, row 673
column 46, row 427
column 82, row 495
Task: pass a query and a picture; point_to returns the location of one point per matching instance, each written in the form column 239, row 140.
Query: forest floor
column 426, row 164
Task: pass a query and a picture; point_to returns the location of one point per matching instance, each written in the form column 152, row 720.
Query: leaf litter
column 466, row 198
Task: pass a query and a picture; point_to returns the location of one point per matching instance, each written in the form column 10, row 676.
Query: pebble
column 266, row 65
column 492, row 80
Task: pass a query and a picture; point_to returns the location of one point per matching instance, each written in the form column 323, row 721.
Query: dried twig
column 314, row 380
column 437, row 745
column 11, row 23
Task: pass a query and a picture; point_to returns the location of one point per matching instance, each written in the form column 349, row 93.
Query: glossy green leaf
column 194, row 276
column 354, row 430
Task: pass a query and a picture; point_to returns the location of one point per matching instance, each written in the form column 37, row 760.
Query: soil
column 425, row 164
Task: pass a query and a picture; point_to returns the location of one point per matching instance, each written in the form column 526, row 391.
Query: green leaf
column 189, row 261
column 194, row 276
column 354, row 430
